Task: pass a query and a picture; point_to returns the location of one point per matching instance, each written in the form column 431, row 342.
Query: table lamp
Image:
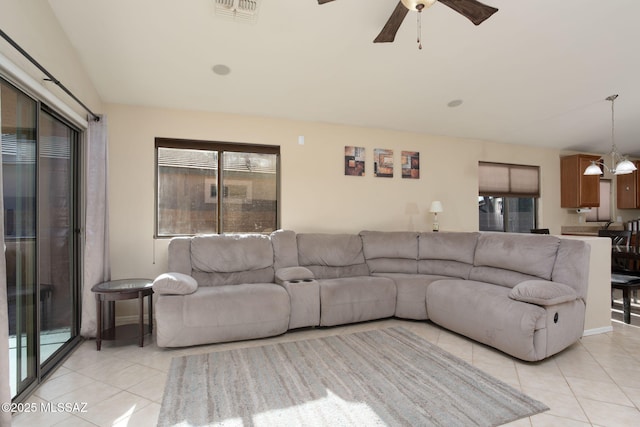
column 436, row 207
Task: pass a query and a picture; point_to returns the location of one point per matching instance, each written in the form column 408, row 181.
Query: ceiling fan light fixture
column 417, row 5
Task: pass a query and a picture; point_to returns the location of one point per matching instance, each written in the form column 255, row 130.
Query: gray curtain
column 97, row 267
column 5, row 387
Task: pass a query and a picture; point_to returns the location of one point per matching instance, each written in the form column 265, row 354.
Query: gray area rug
column 382, row 377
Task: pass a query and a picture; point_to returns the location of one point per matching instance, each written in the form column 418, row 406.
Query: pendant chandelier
column 620, row 165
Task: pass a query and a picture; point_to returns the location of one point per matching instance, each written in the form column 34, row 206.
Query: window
column 602, row 213
column 211, row 187
column 507, row 197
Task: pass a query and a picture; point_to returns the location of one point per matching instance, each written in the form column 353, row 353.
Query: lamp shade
column 413, row 4
column 593, row 169
column 436, row 207
column 624, row 167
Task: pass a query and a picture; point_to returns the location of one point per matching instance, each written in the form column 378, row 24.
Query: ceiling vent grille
column 238, row 10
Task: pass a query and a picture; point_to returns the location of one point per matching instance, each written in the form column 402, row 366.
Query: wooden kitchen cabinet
column 628, row 189
column 576, row 189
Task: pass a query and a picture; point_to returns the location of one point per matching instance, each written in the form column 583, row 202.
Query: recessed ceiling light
column 455, row 103
column 221, row 69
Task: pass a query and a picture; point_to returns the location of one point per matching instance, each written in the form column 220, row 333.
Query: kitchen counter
column 585, row 230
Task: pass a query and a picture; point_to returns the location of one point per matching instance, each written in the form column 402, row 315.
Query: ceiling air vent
column 238, row 10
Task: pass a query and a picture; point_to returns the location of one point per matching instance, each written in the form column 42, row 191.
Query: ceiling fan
column 473, row 10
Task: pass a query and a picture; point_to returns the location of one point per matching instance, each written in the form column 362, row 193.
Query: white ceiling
column 537, row 72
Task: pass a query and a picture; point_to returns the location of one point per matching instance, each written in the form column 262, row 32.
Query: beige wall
column 316, row 195
column 34, row 27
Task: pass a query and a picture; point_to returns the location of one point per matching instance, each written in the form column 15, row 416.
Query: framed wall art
column 411, row 164
column 383, row 163
column 354, row 161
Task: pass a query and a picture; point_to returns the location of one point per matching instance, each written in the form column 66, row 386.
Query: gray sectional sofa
column 522, row 294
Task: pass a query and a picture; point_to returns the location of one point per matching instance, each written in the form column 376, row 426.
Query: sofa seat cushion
column 221, row 314
column 411, row 299
column 356, row 299
column 485, row 313
column 250, row 305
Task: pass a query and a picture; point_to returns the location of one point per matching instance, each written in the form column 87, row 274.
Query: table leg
column 99, row 322
column 626, row 305
column 112, row 314
column 141, row 318
column 150, row 313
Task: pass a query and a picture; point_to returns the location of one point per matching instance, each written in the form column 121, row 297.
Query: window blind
column 507, row 180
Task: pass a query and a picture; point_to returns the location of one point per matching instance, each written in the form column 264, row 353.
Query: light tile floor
column 594, row 382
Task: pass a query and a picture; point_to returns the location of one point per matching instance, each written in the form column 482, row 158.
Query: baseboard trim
column 597, row 331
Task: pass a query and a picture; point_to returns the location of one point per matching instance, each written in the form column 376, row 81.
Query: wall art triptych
column 354, row 162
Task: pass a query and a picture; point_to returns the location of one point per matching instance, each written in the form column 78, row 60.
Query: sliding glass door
column 19, row 134
column 39, row 177
column 56, row 243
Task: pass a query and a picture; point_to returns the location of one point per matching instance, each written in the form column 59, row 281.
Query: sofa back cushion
column 499, row 276
column 390, row 252
column 446, row 254
column 330, row 256
column 180, row 255
column 232, row 259
column 572, row 265
column 507, row 258
column 285, row 249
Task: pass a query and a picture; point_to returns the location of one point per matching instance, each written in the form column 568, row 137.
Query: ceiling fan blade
column 475, row 11
column 388, row 33
column 323, row 1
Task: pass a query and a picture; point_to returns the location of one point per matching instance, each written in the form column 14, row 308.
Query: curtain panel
column 97, row 266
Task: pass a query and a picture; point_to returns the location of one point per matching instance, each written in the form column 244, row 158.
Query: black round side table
column 118, row 290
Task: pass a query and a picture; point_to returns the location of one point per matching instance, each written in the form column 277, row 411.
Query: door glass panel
column 55, row 236
column 18, row 118
column 249, row 195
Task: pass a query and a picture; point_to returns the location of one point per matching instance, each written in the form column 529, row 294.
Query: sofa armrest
column 174, row 284
column 543, row 292
column 288, row 274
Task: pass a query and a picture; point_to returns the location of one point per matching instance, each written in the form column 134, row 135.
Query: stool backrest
column 618, row 237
